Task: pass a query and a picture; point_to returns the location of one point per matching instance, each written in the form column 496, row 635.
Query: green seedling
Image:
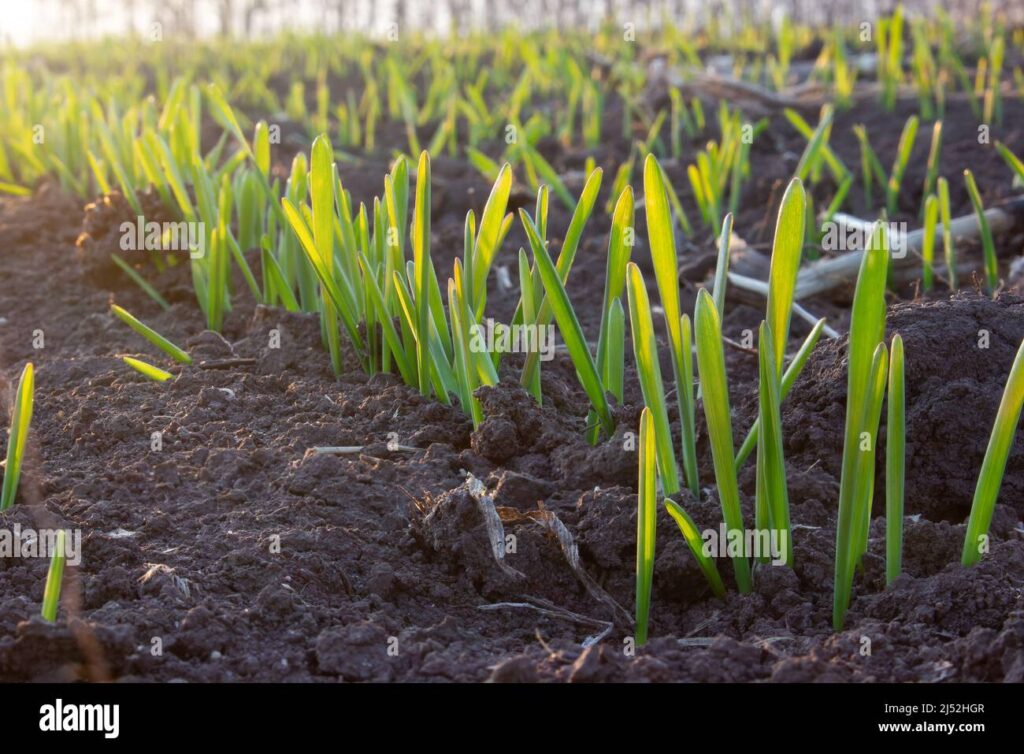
column 645, row 351
column 646, row 524
column 895, row 462
column 988, row 244
column 948, row 248
column 992, row 468
column 54, row 577
column 147, row 370
column 151, row 335
column 666, row 272
column 21, row 418
column 867, row 328
column 693, row 539
column 711, row 367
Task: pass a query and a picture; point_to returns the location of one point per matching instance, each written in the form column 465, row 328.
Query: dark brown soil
column 248, row 558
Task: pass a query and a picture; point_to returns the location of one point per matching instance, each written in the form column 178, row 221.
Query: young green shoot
column 21, row 418
column 934, row 154
column 530, row 376
column 992, row 468
column 789, row 378
column 865, row 461
column 899, row 167
column 867, row 328
column 569, row 326
column 711, row 366
column 931, row 218
column 147, row 370
column 151, row 335
column 945, row 216
column 646, row 524
column 611, row 333
column 895, row 462
column 1012, row 161
column 772, row 492
column 722, row 265
column 987, row 242
column 663, row 256
column 140, row 281
column 693, row 539
column 785, row 263
column 54, row 577
column 645, row 351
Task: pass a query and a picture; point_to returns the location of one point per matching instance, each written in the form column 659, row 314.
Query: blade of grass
column 816, row 144
column 646, row 524
column 693, row 539
column 151, row 335
column 895, row 463
column 645, row 351
column 948, row 248
column 785, row 263
column 931, row 217
column 666, row 271
column 147, row 370
column 21, row 418
column 141, row 282
column 583, row 208
column 54, row 576
column 993, row 467
column 773, row 470
column 322, row 201
column 711, row 366
column 790, row 377
column 899, row 167
column 722, row 265
column 867, row 327
column 421, row 252
column 1012, row 161
column 865, row 463
column 934, row 154
column 569, row 326
column 987, row 243
column 615, row 360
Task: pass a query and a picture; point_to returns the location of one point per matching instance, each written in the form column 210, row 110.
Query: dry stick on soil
column 910, row 272
column 827, row 274
column 760, row 287
column 743, row 94
column 571, row 551
column 553, row 611
column 495, row 530
column 226, row 363
column 347, row 450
